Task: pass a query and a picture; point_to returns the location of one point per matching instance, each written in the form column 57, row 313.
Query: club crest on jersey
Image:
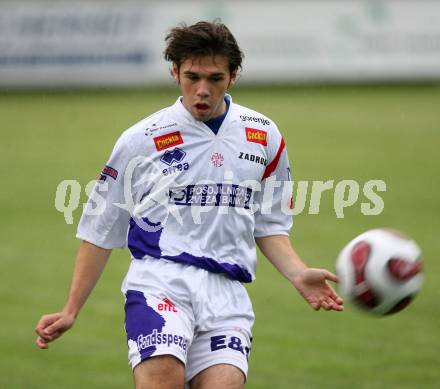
column 217, row 159
column 168, row 140
column 256, row 136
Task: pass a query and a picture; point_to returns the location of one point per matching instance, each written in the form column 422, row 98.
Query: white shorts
column 199, row 317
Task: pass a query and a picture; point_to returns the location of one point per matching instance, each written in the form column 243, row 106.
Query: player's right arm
column 90, row 263
column 100, row 229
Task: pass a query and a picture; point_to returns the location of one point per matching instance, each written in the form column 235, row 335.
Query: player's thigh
column 221, row 376
column 161, row 372
column 229, row 347
column 224, row 322
column 156, row 326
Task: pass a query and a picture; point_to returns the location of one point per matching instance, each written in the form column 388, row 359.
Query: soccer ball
column 380, row 271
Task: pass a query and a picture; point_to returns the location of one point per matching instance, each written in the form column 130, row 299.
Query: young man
column 190, row 190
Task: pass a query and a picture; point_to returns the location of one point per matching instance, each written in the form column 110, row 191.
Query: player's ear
column 175, row 72
column 233, row 78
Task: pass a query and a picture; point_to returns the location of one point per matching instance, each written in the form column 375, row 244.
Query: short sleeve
column 105, row 221
column 275, row 198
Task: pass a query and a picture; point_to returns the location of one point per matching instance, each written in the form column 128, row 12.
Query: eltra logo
column 171, row 156
column 256, row 136
column 169, row 140
column 166, row 306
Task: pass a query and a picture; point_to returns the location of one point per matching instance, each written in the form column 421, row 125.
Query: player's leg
column 218, row 359
column 219, row 353
column 159, row 324
column 221, row 376
column 163, row 371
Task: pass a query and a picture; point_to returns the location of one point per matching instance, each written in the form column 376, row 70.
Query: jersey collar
column 182, row 114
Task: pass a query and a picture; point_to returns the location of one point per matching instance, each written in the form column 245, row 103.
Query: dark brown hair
column 200, row 40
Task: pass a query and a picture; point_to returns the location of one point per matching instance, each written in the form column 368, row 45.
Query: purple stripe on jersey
column 236, row 272
column 141, row 322
column 141, row 243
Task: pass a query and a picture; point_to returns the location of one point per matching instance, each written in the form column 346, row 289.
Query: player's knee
column 164, row 371
column 221, row 376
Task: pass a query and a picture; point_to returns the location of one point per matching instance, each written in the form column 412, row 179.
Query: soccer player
column 191, row 190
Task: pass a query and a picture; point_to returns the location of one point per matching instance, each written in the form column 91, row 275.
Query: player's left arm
column 311, row 283
column 272, row 225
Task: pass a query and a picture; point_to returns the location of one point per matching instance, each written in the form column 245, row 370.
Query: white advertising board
column 114, row 43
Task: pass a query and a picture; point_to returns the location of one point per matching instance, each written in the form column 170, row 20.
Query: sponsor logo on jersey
column 169, row 140
column 150, row 130
column 229, row 195
column 256, row 136
column 108, row 171
column 171, row 157
column 253, row 158
column 166, row 306
column 260, row 119
column 167, row 126
column 220, row 342
column 157, row 338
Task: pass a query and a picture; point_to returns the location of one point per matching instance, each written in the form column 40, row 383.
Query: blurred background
column 112, row 43
column 354, row 87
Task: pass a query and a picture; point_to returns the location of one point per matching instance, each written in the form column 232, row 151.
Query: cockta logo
column 169, row 140
column 256, row 136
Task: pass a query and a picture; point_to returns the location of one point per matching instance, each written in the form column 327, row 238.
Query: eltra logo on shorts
column 166, row 306
column 169, row 140
column 256, row 136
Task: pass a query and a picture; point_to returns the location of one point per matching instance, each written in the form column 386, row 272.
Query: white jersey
column 178, row 192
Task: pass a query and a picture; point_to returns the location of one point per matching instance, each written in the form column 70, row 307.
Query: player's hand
column 51, row 327
column 312, row 285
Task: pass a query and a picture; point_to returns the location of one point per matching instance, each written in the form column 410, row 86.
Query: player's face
column 204, row 82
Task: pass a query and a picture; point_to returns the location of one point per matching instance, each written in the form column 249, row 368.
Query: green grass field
column 361, row 133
